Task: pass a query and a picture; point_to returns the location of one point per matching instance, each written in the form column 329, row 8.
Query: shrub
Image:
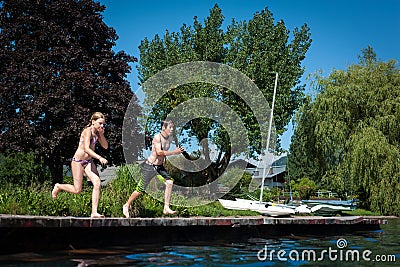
column 305, row 187
column 117, row 192
column 22, row 169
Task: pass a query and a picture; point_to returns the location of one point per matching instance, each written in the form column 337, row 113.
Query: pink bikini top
column 93, row 139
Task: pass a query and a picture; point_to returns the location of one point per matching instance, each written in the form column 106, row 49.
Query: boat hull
column 330, row 207
column 264, row 208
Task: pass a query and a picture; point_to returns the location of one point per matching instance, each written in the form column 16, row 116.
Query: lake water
column 364, row 248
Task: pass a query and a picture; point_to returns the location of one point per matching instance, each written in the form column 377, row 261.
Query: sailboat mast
column 269, row 135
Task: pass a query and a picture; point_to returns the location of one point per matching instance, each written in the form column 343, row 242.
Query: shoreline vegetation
column 35, row 199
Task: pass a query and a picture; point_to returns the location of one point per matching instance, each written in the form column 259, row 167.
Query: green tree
column 302, row 161
column 57, row 67
column 22, row 169
column 257, row 48
column 352, row 131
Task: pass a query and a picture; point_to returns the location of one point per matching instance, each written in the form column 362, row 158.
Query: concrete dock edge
column 22, row 233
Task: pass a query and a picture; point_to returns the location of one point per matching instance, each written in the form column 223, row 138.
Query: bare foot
column 168, row 211
column 125, row 211
column 96, row 216
column 55, row 191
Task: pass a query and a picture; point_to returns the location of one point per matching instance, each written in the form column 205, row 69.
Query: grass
column 361, row 212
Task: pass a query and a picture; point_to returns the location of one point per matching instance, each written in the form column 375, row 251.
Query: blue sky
column 339, row 29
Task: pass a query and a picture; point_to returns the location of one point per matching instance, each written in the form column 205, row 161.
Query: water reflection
column 283, row 251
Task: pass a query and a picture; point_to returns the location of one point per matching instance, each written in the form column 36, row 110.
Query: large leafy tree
column 351, row 131
column 258, row 48
column 57, row 67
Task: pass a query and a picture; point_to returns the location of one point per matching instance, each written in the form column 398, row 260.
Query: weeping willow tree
column 352, row 131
